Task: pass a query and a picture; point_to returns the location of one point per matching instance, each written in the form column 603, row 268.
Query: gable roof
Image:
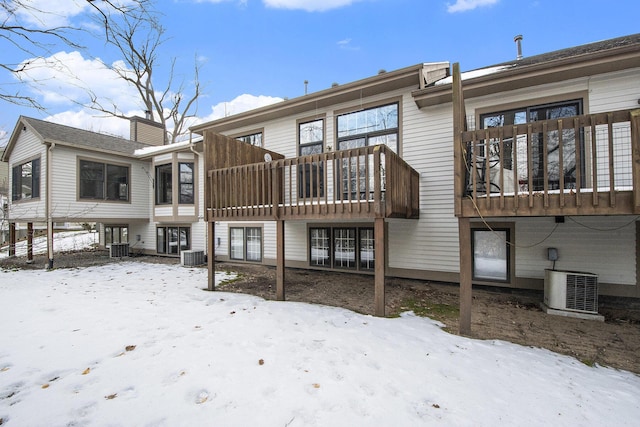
column 69, row 136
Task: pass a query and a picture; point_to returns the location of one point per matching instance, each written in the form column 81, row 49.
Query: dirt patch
column 513, row 316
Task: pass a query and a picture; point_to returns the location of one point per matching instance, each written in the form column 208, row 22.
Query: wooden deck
column 362, row 183
column 582, row 165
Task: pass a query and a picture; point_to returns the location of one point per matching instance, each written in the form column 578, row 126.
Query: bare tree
column 138, row 37
column 23, row 28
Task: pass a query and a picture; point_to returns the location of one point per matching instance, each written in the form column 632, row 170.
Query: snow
column 62, row 241
column 218, row 358
column 481, row 72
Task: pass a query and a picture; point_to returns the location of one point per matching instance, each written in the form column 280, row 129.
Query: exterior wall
column 66, row 204
column 27, row 147
column 428, row 248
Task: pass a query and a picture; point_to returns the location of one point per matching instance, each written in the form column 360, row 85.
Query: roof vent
column 518, row 40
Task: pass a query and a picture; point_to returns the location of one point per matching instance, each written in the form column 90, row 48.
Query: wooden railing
column 367, row 182
column 586, row 164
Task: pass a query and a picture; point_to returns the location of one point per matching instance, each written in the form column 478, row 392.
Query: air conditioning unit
column 191, row 258
column 571, row 291
column 119, row 250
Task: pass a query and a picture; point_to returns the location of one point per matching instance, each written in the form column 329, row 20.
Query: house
column 141, row 193
column 492, row 177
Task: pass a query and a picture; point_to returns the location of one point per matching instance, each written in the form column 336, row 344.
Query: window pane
column 172, row 240
column 253, row 139
column 108, row 236
column 124, row 234
column 254, row 244
column 344, row 247
column 117, row 182
column 163, row 184
column 91, row 180
column 319, row 246
column 185, row 241
column 161, row 240
column 309, row 149
column 367, row 249
column 237, row 243
column 368, row 121
column 490, row 255
column 311, row 132
column 186, row 183
column 35, row 178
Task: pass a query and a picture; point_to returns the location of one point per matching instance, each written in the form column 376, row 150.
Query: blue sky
column 254, row 52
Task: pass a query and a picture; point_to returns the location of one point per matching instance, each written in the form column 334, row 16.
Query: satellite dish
column 267, row 157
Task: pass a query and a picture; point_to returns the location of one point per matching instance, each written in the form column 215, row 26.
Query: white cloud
column 464, row 5
column 90, row 120
column 308, row 5
column 238, row 105
column 346, row 45
column 67, row 78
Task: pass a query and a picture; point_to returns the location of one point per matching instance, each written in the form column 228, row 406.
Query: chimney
column 518, row 40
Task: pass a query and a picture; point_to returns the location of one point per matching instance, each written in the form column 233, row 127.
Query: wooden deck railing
column 367, row 182
column 586, row 164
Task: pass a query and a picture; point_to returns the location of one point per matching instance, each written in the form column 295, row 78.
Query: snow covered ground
column 62, row 241
column 137, row 344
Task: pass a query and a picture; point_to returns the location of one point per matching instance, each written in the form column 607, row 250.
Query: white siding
column 65, row 181
column 28, row 147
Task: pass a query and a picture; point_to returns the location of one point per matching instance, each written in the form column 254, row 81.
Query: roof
column 580, row 61
column 67, row 135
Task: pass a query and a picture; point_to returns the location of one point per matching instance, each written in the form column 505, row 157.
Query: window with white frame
column 165, row 186
column 245, row 244
column 25, row 180
column 115, row 234
column 311, row 174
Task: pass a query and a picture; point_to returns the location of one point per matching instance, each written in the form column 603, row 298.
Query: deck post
column 211, row 255
column 464, row 233
column 459, row 126
column 280, row 260
column 380, row 262
column 29, row 242
column 12, row 239
column 50, row 244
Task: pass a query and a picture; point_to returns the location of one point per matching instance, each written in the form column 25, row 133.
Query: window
column 103, row 181
column 491, row 260
column 372, row 126
column 569, row 139
column 164, row 188
column 378, row 125
column 173, row 240
column 342, row 247
column 245, row 243
column 115, row 234
column 186, row 183
column 311, row 175
column 164, row 184
column 25, row 180
column 253, row 139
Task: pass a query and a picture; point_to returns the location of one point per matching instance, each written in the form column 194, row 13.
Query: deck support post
column 29, row 242
column 50, row 244
column 380, row 263
column 464, row 233
column 12, row 239
column 211, row 256
column 280, row 260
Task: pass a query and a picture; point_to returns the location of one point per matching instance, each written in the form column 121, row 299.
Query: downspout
column 48, row 207
column 200, row 165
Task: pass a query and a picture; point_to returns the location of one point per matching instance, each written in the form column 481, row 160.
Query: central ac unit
column 571, row 291
column 119, row 250
column 191, row 258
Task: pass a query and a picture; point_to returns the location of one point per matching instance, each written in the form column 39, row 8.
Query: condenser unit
column 191, row 258
column 571, row 291
column 119, row 250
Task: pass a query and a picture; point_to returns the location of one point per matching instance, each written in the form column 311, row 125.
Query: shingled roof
column 67, row 135
column 575, row 51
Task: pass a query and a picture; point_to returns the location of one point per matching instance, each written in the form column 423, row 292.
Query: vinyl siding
column 27, row 147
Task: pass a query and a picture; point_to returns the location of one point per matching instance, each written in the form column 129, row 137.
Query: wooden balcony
column 582, row 165
column 363, row 183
